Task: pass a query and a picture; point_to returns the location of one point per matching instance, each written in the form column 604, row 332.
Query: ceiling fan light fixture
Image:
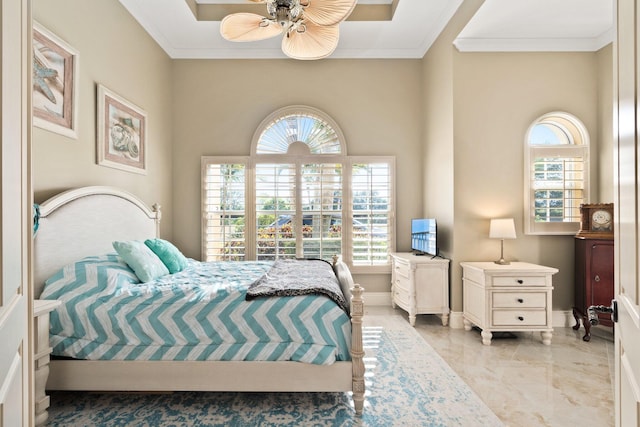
column 296, row 10
column 310, row 26
column 283, row 17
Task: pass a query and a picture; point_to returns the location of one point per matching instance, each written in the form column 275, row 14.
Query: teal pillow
column 168, row 254
column 141, row 259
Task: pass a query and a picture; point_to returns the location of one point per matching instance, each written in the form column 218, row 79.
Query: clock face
column 601, row 220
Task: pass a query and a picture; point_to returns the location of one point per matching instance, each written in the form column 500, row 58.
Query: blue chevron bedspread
column 197, row 314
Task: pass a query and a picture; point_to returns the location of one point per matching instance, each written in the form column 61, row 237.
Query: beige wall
column 603, row 155
column 219, row 105
column 116, row 52
column 497, row 96
column 439, row 82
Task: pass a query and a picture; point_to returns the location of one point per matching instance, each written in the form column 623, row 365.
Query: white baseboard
column 559, row 318
column 455, row 320
column 377, row 298
column 562, row 319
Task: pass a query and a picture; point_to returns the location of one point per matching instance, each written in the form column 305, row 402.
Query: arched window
column 299, row 195
column 556, row 174
column 298, row 128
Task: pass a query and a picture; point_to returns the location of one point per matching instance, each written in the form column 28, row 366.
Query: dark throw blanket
column 292, row 277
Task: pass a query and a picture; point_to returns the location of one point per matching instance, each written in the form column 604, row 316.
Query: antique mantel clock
column 596, row 220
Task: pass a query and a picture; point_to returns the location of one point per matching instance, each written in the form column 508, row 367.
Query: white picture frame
column 121, row 133
column 55, row 83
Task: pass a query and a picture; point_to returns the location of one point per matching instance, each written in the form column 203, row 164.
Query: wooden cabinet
column 593, row 280
column 420, row 285
column 513, row 297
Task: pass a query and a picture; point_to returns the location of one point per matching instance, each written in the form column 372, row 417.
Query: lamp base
column 501, row 261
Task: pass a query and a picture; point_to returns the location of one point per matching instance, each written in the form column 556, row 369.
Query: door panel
column 11, row 394
column 627, row 199
column 602, row 277
column 629, row 388
column 15, row 196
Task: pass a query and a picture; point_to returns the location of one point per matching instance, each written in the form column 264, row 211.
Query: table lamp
column 504, row 228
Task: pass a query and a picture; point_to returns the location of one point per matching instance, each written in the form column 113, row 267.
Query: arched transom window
column 299, row 195
column 299, row 129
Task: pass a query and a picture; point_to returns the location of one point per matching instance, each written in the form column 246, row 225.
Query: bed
column 83, row 223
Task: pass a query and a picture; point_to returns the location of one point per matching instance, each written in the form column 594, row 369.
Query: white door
column 15, row 196
column 627, row 203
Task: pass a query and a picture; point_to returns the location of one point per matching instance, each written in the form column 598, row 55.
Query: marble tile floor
column 525, row 383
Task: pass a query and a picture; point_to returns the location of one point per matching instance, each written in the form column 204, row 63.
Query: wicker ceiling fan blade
column 248, row 27
column 329, row 12
column 317, row 42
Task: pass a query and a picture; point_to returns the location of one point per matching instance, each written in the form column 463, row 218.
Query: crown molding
column 535, row 45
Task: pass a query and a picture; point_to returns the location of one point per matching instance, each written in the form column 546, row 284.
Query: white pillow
column 141, row 260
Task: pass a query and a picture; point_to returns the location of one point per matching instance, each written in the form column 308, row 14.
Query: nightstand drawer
column 401, row 291
column 402, row 285
column 401, row 298
column 401, row 269
column 519, row 318
column 519, row 281
column 519, row 300
column 473, row 275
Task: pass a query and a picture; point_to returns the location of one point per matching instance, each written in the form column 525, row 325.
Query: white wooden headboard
column 84, row 222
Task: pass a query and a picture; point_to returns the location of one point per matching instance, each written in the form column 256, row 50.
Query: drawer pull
column 520, row 318
column 520, row 300
column 597, row 278
column 520, row 281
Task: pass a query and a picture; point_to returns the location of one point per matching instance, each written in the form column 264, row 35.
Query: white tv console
column 420, row 285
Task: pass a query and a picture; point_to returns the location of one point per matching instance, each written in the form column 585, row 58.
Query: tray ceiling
column 388, row 28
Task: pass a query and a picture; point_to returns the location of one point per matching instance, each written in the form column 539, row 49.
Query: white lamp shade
column 502, row 229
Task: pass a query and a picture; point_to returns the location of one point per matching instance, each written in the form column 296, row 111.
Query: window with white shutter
column 302, row 196
column 556, row 174
column 224, row 209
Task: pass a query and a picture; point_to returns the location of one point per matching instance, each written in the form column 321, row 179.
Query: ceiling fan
column 309, row 27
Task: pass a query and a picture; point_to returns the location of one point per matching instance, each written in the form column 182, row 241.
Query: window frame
column 578, row 147
column 300, row 157
column 205, row 161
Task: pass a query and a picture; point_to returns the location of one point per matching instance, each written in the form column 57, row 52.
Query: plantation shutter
column 224, row 210
column 372, row 207
column 275, row 207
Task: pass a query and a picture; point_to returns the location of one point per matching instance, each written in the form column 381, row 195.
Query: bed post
column 357, row 351
column 158, row 211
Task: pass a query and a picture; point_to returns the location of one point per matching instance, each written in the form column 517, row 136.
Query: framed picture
column 122, row 133
column 55, row 83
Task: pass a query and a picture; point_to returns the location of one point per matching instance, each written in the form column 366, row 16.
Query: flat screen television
column 424, row 236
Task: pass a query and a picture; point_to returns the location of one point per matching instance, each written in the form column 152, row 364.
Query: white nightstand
column 42, row 350
column 420, row 285
column 514, row 297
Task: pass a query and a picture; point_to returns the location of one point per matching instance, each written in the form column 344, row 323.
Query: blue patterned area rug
column 408, row 384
